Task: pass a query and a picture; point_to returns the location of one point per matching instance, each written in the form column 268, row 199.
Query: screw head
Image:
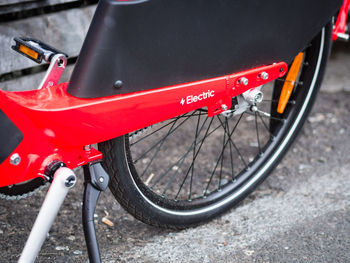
column 15, row 159
column 60, row 63
column 87, row 147
column 224, row 107
column 244, row 81
column 264, row 75
column 101, row 179
column 258, row 97
column 118, row 84
column 70, row 181
column 254, row 108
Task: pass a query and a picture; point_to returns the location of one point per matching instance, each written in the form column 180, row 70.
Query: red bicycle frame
column 340, row 25
column 57, row 126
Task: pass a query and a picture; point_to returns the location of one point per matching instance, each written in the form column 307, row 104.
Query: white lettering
column 194, row 98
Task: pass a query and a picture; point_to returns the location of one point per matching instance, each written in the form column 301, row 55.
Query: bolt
column 60, row 63
column 70, row 181
column 223, row 107
column 281, row 69
column 264, row 75
column 244, row 81
column 254, row 108
column 87, row 147
column 258, row 97
column 118, row 84
column 15, row 159
column 101, row 179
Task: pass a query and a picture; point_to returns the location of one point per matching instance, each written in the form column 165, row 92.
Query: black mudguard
column 156, row 43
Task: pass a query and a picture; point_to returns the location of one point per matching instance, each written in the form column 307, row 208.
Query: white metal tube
column 64, row 179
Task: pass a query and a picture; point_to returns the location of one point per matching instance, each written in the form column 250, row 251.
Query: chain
column 22, row 196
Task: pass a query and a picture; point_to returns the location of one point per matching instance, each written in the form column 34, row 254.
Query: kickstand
column 96, row 181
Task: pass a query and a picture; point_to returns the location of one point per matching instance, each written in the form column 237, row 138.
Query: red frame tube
column 56, row 125
column 340, row 25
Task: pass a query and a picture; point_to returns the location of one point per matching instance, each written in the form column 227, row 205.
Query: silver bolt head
column 244, row 81
column 264, row 75
column 254, row 108
column 70, row 181
column 15, row 159
column 224, row 107
column 258, row 97
column 87, row 147
column 101, row 179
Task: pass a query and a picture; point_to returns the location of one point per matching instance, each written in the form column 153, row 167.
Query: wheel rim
column 182, row 173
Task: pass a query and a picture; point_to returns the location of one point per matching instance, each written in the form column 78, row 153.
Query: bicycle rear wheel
column 191, row 168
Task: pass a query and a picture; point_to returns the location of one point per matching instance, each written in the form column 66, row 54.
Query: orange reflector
column 289, row 82
column 31, row 53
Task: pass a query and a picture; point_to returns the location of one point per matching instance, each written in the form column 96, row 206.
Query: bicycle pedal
column 35, row 50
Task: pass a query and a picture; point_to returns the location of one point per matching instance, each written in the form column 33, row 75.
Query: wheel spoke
column 297, row 83
column 185, row 155
column 257, row 132
column 269, row 117
column 156, row 144
column 206, row 135
column 239, row 154
column 188, row 151
column 166, row 125
column 223, row 156
column 290, row 101
column 265, row 125
column 158, row 148
column 231, row 141
column 213, row 172
column 194, row 154
column 180, row 160
column 231, row 157
column 229, row 134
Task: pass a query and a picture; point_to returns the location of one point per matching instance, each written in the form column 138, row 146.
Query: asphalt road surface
column 301, row 213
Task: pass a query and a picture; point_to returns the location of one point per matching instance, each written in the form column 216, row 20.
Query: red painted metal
column 340, row 25
column 57, row 125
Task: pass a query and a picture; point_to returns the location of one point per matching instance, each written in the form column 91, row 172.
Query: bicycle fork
column 96, row 180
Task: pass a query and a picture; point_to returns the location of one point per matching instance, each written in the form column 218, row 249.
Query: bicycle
column 172, row 78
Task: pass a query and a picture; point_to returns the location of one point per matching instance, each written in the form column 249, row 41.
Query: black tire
column 168, row 195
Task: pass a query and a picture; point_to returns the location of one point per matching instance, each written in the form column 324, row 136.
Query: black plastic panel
column 157, row 43
column 10, row 137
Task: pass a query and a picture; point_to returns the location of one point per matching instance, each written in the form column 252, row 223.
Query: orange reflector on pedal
column 29, row 52
column 289, row 83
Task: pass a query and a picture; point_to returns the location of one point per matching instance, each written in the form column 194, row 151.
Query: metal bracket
column 54, row 72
